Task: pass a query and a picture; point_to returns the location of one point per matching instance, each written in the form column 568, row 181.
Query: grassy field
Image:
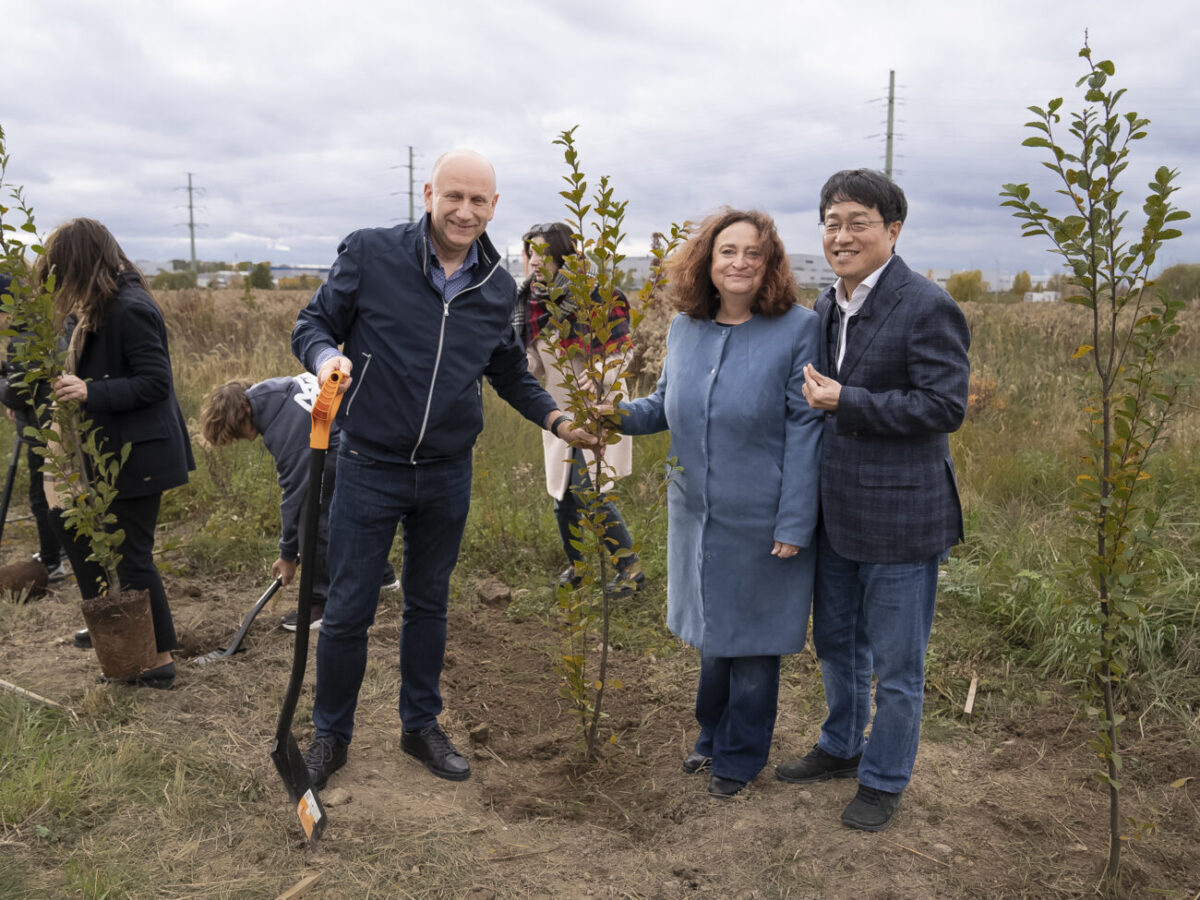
column 132, row 795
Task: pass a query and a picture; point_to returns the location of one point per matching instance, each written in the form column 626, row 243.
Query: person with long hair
column 742, row 502
column 118, row 369
column 545, row 249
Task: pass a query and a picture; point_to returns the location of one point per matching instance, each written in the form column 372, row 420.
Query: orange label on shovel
column 309, row 812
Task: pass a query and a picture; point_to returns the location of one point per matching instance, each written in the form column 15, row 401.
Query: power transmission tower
column 410, row 184
column 191, row 223
column 891, row 120
column 411, row 189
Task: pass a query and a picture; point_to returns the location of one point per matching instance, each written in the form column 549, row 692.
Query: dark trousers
column 430, row 502
column 736, row 704
column 320, row 583
column 137, row 517
column 49, row 548
column 568, row 512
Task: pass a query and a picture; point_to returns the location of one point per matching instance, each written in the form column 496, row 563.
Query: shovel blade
column 290, row 764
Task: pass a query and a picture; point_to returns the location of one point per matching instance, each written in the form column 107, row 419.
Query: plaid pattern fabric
column 888, row 488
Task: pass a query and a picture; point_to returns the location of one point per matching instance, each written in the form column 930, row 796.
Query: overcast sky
column 296, row 117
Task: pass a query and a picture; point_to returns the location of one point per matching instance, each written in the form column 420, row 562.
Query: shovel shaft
column 284, row 751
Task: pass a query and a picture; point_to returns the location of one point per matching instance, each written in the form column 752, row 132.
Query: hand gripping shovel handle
column 284, row 751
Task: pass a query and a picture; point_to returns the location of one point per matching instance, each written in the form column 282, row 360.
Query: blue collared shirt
column 448, row 287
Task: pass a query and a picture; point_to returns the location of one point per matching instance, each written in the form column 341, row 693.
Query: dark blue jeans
column 430, row 502
column 736, row 704
column 568, row 511
column 868, row 618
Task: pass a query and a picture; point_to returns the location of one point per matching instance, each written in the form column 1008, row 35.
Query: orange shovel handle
column 323, row 411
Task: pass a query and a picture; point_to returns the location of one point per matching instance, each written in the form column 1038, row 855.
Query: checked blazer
column 888, row 489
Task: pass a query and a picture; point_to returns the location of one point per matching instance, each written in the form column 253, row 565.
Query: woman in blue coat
column 742, row 507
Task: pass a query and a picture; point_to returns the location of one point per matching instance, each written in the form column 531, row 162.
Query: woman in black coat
column 119, row 369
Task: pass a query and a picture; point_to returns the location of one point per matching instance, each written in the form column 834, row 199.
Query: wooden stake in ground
column 38, row 698
column 299, row 887
column 970, row 704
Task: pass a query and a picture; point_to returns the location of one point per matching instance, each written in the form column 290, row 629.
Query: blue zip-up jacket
column 418, row 360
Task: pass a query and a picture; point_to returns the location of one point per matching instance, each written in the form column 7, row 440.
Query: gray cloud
column 296, row 117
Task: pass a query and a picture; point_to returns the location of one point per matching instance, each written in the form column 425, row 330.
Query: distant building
column 993, row 281
column 811, row 270
column 150, row 268
column 1042, row 296
column 295, row 271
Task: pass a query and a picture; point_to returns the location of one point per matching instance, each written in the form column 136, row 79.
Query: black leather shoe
column 161, row 677
column 325, row 755
column 696, row 761
column 817, row 765
column 432, row 747
column 82, row 639
column 724, row 788
column 871, row 809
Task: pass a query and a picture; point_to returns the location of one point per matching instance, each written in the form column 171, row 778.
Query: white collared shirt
column 849, row 306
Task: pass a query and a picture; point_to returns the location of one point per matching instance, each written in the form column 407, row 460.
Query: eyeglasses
column 856, row 226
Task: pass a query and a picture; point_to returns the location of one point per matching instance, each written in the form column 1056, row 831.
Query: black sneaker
column 82, row 639
column 314, row 623
column 568, row 577
column 57, row 571
column 432, row 747
column 325, row 755
column 817, row 765
column 871, row 809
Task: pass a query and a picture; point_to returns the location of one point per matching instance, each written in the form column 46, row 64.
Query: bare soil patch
column 1000, row 808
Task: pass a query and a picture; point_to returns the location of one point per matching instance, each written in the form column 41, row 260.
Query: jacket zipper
column 361, row 379
column 437, row 362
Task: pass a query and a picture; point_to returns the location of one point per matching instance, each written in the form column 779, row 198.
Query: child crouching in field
column 280, row 409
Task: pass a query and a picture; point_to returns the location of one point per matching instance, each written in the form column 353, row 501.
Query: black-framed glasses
column 854, row 226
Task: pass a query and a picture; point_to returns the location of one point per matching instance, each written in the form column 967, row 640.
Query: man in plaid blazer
column 892, row 375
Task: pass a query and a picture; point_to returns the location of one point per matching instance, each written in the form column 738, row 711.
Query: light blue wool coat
column 747, row 444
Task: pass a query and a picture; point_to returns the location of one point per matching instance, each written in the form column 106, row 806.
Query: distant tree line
column 258, row 275
column 1181, row 282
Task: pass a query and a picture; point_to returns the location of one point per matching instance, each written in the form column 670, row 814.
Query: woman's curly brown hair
column 691, row 286
column 226, row 413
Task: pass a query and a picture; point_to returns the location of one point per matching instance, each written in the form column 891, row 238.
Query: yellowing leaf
column 1180, row 782
column 1082, row 350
